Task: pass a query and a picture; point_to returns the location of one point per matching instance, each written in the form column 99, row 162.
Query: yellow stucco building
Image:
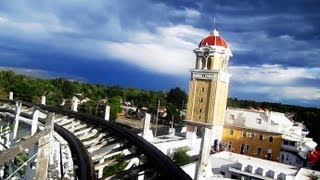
column 256, row 143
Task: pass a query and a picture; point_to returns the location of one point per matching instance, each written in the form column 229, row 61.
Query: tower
column 208, row 88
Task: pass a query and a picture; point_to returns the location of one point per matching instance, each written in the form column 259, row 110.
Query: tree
column 115, row 107
column 177, row 98
column 173, row 113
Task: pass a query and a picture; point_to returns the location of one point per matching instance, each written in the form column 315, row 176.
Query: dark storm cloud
column 92, row 39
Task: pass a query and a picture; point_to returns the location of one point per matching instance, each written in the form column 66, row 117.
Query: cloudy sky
column 148, row 44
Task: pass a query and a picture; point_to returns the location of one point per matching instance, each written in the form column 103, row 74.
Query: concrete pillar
column 16, row 121
column 191, row 136
column 146, row 132
column 172, row 131
column 146, row 124
column 74, row 105
column 107, row 113
column 43, row 100
column 11, row 95
column 269, row 121
column 202, row 170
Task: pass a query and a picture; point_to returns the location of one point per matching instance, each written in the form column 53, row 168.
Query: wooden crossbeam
column 21, row 146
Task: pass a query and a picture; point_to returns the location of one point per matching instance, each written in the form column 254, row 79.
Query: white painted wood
column 107, row 113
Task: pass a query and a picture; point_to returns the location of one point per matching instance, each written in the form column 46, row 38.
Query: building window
column 270, row 139
column 244, row 134
column 202, row 89
column 200, row 110
column 199, row 117
column 252, row 135
column 261, row 137
column 230, row 145
column 232, row 116
column 231, row 132
column 292, row 143
column 203, row 75
column 285, row 142
column 298, row 160
column 247, row 147
column 259, row 151
column 201, row 100
column 259, row 121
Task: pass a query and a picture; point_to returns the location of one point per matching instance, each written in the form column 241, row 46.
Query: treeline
column 56, row 90
column 60, row 91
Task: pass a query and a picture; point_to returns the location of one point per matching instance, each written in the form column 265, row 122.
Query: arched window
column 203, row 63
column 197, row 63
column 209, row 63
column 270, row 139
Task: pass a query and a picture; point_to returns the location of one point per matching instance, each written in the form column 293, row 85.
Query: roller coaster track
column 97, row 147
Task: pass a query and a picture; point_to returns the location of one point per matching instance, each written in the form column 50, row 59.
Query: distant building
column 236, row 166
column 266, row 134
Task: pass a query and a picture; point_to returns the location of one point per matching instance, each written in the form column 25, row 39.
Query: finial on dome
column 215, row 32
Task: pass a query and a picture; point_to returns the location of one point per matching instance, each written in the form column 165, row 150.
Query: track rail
column 101, row 141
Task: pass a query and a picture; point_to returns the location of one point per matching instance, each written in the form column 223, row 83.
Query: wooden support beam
column 21, row 146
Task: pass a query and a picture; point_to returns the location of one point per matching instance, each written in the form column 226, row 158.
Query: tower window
column 199, row 117
column 201, row 100
column 232, row 116
column 202, row 89
column 261, row 137
column 200, row 110
column 270, row 139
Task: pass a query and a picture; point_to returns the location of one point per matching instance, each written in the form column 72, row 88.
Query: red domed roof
column 214, row 40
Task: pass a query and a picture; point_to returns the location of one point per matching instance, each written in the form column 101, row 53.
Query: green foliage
column 180, row 157
column 31, row 89
column 173, row 114
column 115, row 107
column 177, row 98
column 67, row 88
column 117, row 167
